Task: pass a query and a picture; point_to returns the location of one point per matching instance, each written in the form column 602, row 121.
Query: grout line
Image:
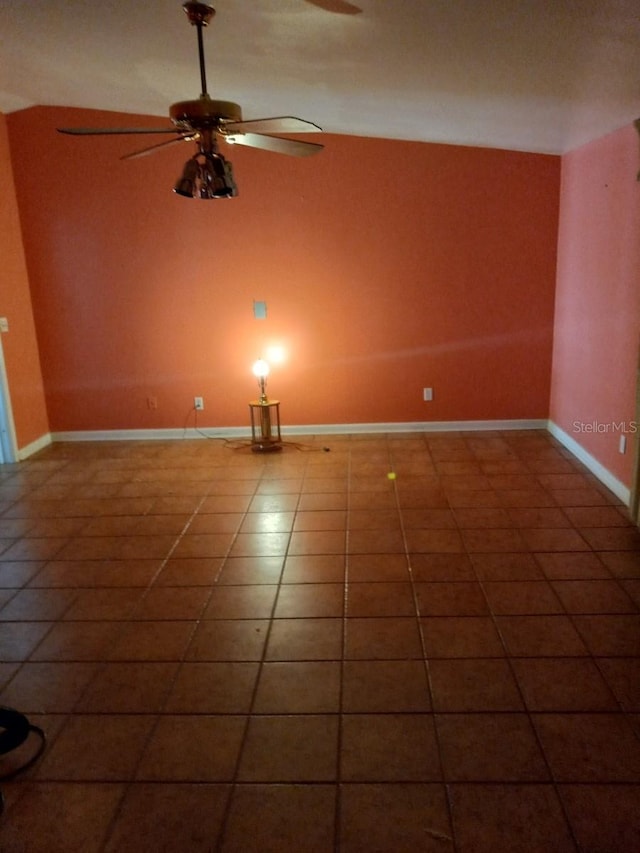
column 337, row 812
column 516, row 681
column 425, row 660
column 126, row 786
column 234, row 781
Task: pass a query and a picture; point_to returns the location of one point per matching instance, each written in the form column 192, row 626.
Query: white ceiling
column 534, row 75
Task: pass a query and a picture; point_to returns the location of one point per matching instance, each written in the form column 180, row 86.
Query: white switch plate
column 622, row 445
column 259, row 309
column 427, row 394
column 4, row 324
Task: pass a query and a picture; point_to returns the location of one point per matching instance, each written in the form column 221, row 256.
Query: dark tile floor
column 293, row 652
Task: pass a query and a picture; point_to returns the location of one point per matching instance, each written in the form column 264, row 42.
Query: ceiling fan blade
column 277, row 124
column 103, row 131
column 187, row 137
column 339, row 7
column 275, row 143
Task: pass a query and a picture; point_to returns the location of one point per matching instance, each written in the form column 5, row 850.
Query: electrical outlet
column 427, row 394
column 198, row 403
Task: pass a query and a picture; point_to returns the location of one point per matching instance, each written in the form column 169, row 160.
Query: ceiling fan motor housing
column 204, row 113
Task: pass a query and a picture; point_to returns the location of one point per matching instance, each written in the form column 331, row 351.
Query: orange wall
column 598, row 299
column 386, row 266
column 19, row 344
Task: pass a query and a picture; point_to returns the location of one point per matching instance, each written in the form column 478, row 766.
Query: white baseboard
column 152, row 434
column 416, row 426
column 35, row 446
column 597, row 469
column 302, row 429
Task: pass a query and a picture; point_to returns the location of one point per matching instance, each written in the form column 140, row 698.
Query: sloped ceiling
column 533, row 75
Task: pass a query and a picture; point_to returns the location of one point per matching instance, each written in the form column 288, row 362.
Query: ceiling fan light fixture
column 207, row 175
column 187, row 184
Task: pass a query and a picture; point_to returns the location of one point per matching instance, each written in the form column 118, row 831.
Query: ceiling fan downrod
column 199, row 15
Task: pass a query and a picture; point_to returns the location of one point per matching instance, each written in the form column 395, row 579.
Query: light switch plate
column 259, row 310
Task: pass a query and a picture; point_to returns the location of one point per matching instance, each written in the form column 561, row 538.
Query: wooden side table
column 265, row 425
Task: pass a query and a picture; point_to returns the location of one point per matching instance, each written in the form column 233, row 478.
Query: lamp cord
column 29, row 763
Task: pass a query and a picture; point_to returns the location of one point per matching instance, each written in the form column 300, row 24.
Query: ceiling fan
column 206, row 121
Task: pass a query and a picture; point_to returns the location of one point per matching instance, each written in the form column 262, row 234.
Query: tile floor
column 292, row 652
